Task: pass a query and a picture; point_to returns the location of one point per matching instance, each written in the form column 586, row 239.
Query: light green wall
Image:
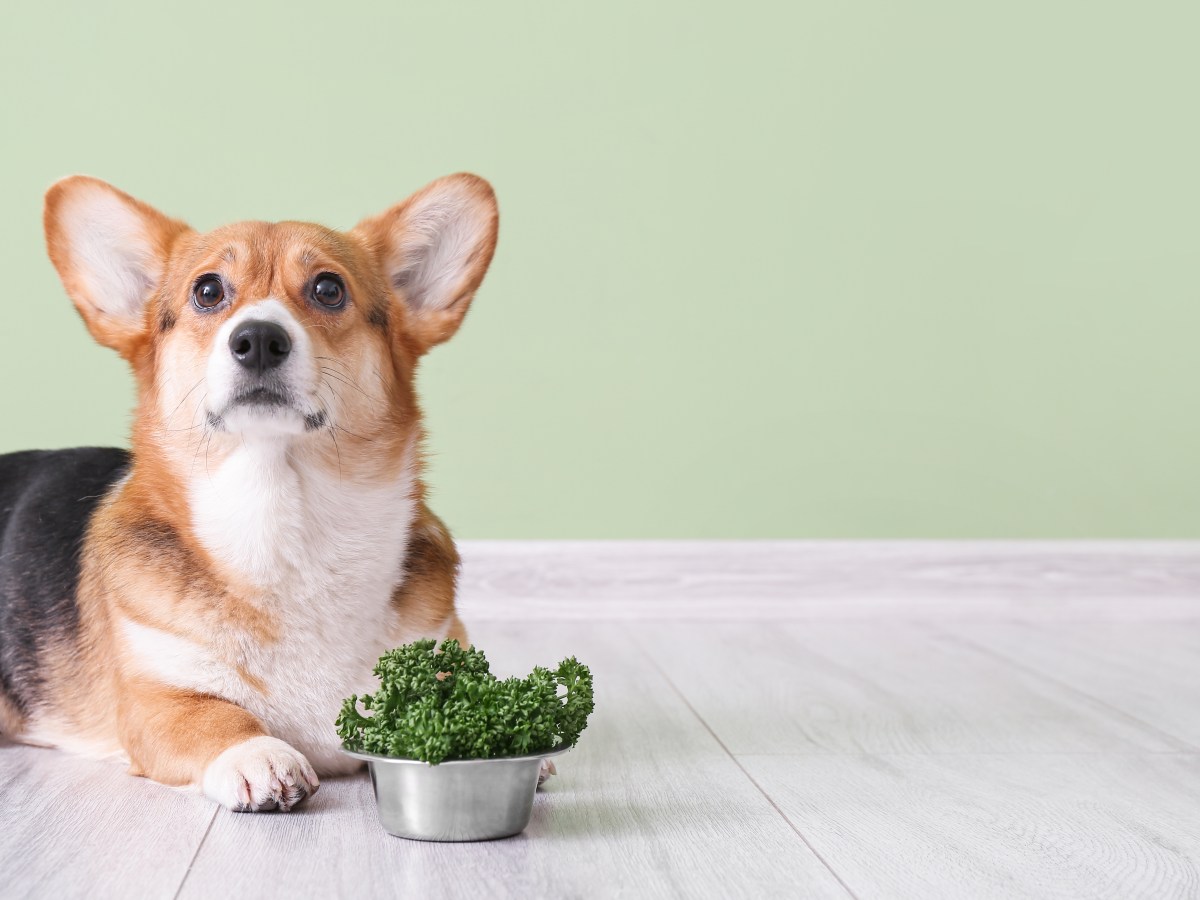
column 765, row 269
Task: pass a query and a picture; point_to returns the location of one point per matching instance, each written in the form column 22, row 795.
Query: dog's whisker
column 328, row 375
column 334, row 360
column 342, row 369
column 185, row 396
column 203, row 435
column 196, row 455
column 352, row 434
column 199, row 410
column 338, row 450
column 334, row 393
column 337, row 377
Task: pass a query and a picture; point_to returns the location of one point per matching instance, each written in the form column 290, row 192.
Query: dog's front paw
column 546, row 772
column 260, row 773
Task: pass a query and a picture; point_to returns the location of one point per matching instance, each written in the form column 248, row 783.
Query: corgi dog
column 200, row 605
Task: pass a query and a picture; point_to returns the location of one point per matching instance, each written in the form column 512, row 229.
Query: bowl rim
column 379, row 757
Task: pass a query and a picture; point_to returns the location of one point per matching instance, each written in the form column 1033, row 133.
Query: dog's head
column 272, row 331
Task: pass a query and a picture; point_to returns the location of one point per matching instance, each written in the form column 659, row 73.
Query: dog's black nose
column 260, row 345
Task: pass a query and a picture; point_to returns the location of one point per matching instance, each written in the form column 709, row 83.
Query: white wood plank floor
column 773, row 720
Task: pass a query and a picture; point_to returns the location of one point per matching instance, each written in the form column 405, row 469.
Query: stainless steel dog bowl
column 455, row 800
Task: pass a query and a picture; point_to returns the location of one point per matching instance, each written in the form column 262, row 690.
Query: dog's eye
column 208, row 292
column 328, row 290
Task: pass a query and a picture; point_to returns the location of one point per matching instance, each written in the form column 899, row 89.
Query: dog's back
column 47, row 498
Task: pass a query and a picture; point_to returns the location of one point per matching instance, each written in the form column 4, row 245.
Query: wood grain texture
column 935, row 719
column 853, row 688
column 71, row 827
column 648, row 805
column 823, row 580
column 1121, row 826
column 1148, row 671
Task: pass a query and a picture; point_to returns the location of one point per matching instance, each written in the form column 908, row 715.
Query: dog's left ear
column 110, row 251
column 435, row 248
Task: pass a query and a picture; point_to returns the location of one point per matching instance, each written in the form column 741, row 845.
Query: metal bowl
column 455, row 800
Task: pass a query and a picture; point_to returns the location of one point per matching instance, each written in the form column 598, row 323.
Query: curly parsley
column 435, row 704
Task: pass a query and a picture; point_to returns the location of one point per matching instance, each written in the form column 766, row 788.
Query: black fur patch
column 379, row 317
column 166, row 321
column 159, row 539
column 47, row 498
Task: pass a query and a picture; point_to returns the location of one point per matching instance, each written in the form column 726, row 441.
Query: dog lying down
column 200, row 604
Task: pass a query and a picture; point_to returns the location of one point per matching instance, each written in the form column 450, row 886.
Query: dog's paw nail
column 258, row 774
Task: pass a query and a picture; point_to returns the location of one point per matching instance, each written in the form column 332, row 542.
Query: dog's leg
column 10, row 718
column 425, row 599
column 458, row 631
column 182, row 737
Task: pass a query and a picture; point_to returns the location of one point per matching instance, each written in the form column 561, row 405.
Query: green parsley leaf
column 438, row 703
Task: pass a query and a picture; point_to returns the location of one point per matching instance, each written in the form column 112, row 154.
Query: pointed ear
column 435, row 248
column 110, row 251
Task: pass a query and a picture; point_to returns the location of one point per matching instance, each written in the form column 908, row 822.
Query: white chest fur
column 288, row 526
column 325, row 554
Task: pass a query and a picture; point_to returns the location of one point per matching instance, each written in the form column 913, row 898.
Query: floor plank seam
column 199, row 846
column 758, row 787
column 935, row 754
column 800, row 834
column 871, row 616
column 1185, row 747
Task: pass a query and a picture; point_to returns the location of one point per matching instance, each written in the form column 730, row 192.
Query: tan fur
column 427, row 594
column 171, row 735
column 11, row 720
column 142, row 561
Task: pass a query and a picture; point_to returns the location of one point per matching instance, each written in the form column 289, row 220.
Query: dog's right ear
column 110, row 251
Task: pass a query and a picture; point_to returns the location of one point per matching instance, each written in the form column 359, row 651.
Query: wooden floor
column 773, row 720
